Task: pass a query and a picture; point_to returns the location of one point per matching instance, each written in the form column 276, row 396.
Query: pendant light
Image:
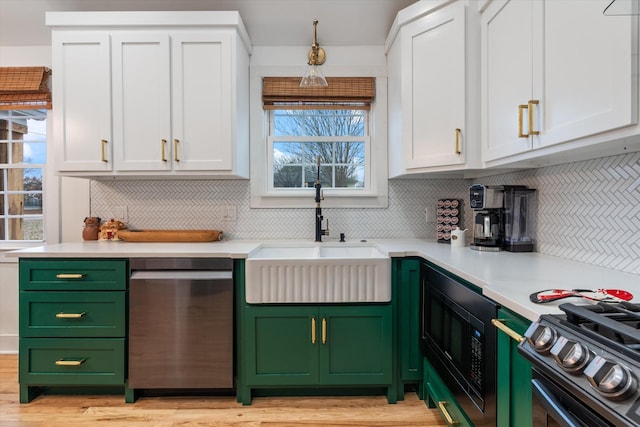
column 313, row 77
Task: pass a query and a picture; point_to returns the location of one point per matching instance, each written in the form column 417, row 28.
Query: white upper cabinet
column 179, row 87
column 558, row 77
column 141, row 101
column 432, row 59
column 82, row 102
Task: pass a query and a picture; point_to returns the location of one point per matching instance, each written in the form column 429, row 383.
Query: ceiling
column 269, row 22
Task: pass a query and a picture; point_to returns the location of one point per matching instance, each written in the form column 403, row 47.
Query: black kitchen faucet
column 319, row 218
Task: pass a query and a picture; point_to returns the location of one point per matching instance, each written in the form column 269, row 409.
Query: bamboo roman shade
column 24, row 88
column 355, row 93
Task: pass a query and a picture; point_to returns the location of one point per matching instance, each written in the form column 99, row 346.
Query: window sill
column 330, row 201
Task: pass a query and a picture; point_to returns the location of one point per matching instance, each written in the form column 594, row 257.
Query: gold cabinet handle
column 499, row 323
column 164, row 156
column 443, row 408
column 313, row 330
column 103, row 156
column 73, row 276
column 175, row 150
column 70, row 315
column 530, row 105
column 324, row 330
column 458, row 141
column 62, row 362
column 520, row 122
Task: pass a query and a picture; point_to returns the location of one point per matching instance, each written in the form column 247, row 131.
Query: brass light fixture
column 313, row 77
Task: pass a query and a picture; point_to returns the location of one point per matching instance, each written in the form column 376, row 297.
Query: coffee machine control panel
column 485, row 197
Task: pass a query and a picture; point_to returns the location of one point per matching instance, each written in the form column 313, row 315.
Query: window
column 337, row 139
column 23, row 145
column 335, row 126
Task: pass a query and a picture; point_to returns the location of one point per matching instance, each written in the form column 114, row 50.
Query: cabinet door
column 408, row 329
column 281, row 346
column 356, row 345
column 202, row 100
column 141, row 101
column 507, row 67
column 514, row 376
column 433, row 92
column 584, row 72
column 82, row 101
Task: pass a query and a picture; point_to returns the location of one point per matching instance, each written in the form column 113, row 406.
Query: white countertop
column 507, row 278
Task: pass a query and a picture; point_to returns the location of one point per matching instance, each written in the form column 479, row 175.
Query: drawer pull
column 70, row 276
column 499, row 323
column 443, row 408
column 70, row 315
column 63, row 362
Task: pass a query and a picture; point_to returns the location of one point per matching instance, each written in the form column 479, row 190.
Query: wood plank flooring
column 162, row 411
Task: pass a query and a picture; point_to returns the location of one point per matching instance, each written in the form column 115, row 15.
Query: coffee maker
column 487, row 202
column 520, row 205
column 504, row 218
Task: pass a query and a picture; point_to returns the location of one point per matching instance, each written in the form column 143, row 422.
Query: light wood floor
column 75, row 411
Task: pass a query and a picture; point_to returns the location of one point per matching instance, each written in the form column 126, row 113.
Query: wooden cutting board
column 170, row 235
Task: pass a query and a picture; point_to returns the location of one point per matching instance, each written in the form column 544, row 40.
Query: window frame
column 263, row 195
column 50, row 202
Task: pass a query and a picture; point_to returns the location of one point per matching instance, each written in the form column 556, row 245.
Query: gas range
column 593, row 352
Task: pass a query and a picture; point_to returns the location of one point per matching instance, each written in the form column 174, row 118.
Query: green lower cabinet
column 514, row 375
column 282, row 350
column 73, row 317
column 437, row 395
column 406, row 287
column 312, row 346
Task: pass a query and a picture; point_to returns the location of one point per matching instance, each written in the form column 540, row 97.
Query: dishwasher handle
column 181, row 275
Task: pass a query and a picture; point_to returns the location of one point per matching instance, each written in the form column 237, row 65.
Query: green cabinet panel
column 355, row 347
column 65, row 361
column 514, row 375
column 72, row 314
column 281, row 351
column 438, row 396
column 72, row 274
column 406, row 283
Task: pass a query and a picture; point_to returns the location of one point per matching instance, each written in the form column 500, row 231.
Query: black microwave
column 457, row 337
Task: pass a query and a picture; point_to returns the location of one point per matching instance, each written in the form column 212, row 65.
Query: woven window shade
column 24, row 88
column 354, row 93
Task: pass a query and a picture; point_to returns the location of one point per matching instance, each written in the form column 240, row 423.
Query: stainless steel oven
column 458, row 339
column 586, row 365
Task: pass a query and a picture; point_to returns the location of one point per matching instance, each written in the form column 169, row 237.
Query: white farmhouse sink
column 317, row 273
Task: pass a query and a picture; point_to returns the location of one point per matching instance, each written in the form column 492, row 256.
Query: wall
column 587, row 211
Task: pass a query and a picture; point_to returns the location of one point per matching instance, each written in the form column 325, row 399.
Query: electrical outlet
column 120, row 213
column 228, row 213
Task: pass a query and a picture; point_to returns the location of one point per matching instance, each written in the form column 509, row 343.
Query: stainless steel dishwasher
column 181, row 323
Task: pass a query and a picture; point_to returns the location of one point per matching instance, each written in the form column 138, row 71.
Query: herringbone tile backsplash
column 587, row 211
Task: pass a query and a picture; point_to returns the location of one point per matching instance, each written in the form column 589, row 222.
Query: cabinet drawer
column 78, row 361
column 72, row 314
column 443, row 399
column 69, row 275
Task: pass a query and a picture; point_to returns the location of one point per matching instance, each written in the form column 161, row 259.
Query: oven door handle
column 552, row 405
